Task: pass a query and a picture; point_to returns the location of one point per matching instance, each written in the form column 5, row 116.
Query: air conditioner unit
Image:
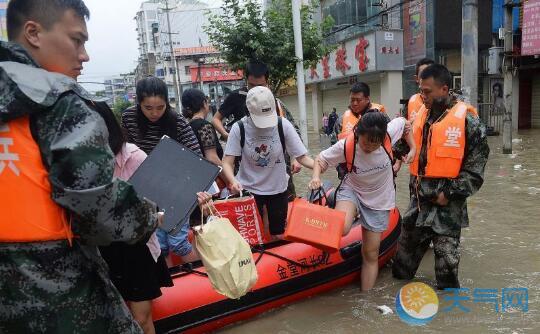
column 495, row 60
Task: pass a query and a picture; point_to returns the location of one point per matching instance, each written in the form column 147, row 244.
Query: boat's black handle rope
column 188, row 267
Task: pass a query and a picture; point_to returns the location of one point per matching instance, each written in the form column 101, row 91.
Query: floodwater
column 500, row 250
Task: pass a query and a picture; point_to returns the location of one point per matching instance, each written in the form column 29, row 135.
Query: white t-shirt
column 372, row 175
column 262, row 170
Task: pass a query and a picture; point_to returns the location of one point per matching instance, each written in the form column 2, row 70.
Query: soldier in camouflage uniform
column 438, row 207
column 56, row 286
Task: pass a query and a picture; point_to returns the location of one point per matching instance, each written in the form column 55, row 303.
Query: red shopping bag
column 243, row 215
column 315, row 225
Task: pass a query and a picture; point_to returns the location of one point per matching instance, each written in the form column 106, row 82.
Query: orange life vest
column 28, row 212
column 415, row 103
column 350, row 119
column 446, row 145
column 350, row 150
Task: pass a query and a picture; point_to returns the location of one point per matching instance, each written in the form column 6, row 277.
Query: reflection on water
column 500, row 249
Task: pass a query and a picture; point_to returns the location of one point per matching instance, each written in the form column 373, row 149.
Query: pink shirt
column 126, row 163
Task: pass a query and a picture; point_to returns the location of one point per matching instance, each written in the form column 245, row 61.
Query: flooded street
column 500, row 250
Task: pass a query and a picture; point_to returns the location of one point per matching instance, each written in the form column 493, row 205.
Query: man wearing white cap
column 260, row 140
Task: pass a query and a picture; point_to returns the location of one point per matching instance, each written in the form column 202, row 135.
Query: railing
column 492, row 118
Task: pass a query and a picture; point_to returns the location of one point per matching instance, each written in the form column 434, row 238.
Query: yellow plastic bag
column 226, row 256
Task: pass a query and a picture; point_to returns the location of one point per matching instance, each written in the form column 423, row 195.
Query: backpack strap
column 387, row 145
column 281, row 134
column 242, row 133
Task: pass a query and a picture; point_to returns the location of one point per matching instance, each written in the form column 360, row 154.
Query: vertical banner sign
column 414, row 25
column 3, row 30
column 530, row 42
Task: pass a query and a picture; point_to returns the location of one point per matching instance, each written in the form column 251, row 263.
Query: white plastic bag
column 226, row 256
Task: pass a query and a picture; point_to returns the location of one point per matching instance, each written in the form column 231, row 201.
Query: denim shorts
column 372, row 220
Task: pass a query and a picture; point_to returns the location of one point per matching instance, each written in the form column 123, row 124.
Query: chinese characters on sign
column 390, row 50
column 360, row 54
column 530, row 42
column 374, row 51
column 508, row 300
column 341, row 60
column 214, row 73
column 313, row 72
column 326, row 67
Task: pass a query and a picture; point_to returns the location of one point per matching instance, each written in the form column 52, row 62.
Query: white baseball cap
column 261, row 105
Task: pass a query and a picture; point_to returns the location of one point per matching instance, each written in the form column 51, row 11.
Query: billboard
column 3, row 30
column 530, row 41
column 414, row 35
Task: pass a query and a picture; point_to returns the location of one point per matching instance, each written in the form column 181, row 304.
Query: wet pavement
column 500, row 250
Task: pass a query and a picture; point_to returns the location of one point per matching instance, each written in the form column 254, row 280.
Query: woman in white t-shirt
column 262, row 169
column 368, row 191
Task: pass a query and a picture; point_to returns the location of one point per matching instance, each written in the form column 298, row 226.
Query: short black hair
column 257, row 69
column 360, row 87
column 422, row 62
column 192, row 101
column 45, row 12
column 373, row 124
column 439, row 73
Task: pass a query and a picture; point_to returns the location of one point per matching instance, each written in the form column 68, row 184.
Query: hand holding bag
column 315, row 225
column 226, row 256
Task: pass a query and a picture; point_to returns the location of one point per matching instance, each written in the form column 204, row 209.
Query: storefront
column 375, row 58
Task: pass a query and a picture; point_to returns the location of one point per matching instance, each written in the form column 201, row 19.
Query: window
column 187, row 70
column 347, row 12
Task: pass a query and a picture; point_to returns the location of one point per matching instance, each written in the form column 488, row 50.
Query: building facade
column 369, row 49
column 147, row 29
column 120, row 87
column 188, row 52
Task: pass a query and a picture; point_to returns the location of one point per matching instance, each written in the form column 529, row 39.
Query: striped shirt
column 154, row 133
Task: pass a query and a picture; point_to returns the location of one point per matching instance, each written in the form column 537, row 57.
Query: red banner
column 530, row 42
column 214, row 73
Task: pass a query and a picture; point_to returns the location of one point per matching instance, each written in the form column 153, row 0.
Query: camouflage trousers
column 50, row 287
column 413, row 244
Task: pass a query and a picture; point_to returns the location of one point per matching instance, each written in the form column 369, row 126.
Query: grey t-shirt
column 262, row 170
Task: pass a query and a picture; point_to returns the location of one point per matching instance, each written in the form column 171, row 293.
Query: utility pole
column 300, row 83
column 469, row 52
column 173, row 58
column 508, row 77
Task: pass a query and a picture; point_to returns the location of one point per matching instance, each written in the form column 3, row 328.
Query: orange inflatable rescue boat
column 288, row 271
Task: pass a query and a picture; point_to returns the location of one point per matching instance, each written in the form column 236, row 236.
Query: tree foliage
column 120, row 104
column 243, row 31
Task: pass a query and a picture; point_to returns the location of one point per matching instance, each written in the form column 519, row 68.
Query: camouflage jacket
column 52, row 286
column 448, row 220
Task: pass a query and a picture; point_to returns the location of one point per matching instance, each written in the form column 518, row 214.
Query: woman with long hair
column 367, row 193
column 145, row 124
